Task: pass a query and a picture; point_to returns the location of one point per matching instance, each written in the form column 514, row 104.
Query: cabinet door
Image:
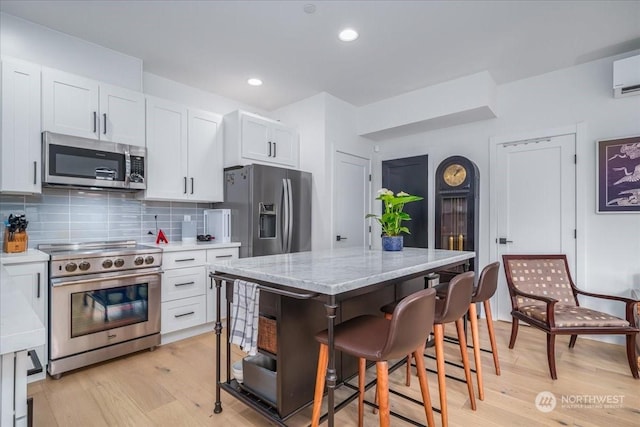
column 205, row 157
column 166, row 150
column 284, row 145
column 69, row 104
column 121, row 115
column 254, row 135
column 214, row 255
column 31, row 279
column 20, row 152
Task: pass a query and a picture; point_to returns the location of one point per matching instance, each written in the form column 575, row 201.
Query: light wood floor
column 175, row 386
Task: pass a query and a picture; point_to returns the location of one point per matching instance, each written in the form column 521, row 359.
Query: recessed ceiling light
column 348, row 35
column 255, row 82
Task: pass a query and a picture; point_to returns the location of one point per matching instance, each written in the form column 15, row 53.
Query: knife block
column 18, row 244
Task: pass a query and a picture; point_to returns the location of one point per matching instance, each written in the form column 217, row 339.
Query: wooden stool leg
column 438, row 332
column 382, row 371
column 362, row 366
column 424, row 386
column 492, row 335
column 323, row 361
column 465, row 362
column 473, row 316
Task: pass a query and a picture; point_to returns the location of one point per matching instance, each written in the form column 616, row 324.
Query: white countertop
column 182, row 246
column 331, row 272
column 20, row 327
column 31, row 255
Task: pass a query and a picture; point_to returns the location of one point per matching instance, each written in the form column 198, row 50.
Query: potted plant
column 392, row 217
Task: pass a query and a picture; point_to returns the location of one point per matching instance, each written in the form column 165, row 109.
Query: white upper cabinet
column 166, row 150
column 250, row 138
column 75, row 105
column 20, row 133
column 184, row 153
column 122, row 114
column 205, row 156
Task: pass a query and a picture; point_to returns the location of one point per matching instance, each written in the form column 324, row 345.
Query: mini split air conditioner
column 626, row 77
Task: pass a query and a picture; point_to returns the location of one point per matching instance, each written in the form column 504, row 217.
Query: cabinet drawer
column 214, row 255
column 183, row 313
column 183, row 283
column 183, row 259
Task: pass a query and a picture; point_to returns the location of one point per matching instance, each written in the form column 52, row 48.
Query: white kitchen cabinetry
column 75, row 105
column 20, row 132
column 213, row 256
column 183, row 290
column 13, row 389
column 184, row 153
column 31, row 279
column 250, row 138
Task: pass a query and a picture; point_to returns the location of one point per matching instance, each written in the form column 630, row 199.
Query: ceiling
column 404, row 45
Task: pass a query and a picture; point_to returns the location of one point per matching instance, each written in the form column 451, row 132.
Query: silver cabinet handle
column 192, row 185
column 185, row 259
column 274, row 149
column 185, row 185
column 104, row 117
column 184, row 284
column 38, row 289
column 35, row 173
column 223, row 256
column 184, row 314
column 269, row 148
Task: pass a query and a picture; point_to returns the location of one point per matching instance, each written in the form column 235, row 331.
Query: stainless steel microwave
column 81, row 162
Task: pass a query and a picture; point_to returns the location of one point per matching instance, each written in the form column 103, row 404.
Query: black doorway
column 411, row 176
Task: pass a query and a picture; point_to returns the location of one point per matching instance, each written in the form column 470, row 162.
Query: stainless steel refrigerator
column 270, row 209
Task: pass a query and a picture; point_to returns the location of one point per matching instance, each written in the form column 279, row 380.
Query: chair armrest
column 550, row 302
column 629, row 303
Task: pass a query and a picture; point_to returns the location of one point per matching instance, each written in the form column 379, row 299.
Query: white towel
column 245, row 308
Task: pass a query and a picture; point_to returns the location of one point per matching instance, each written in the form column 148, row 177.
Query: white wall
column 41, row 45
column 178, row 92
column 610, row 243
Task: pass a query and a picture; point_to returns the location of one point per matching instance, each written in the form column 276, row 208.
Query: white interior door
column 351, row 200
column 536, row 203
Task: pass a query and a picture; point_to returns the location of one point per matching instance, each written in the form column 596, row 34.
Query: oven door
column 94, row 311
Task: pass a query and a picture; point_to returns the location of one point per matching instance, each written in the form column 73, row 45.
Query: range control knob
column 84, row 266
column 119, row 262
column 71, row 267
column 138, row 261
column 107, row 263
column 149, row 260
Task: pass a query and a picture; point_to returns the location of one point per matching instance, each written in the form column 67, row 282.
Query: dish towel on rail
column 245, row 308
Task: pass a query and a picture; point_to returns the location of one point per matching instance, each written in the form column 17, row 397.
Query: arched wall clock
column 457, row 205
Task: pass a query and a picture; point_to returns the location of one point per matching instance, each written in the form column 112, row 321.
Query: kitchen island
column 310, row 289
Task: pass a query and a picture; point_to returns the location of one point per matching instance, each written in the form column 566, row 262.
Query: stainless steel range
column 104, row 302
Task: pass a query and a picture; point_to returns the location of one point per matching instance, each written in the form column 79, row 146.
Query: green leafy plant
column 392, row 217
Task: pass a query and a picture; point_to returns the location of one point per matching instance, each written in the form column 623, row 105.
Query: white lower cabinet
column 32, row 280
column 183, row 313
column 188, row 294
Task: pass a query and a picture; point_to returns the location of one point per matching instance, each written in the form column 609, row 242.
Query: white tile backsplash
column 63, row 216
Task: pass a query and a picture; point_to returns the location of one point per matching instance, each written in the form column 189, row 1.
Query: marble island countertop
column 335, row 271
column 20, row 327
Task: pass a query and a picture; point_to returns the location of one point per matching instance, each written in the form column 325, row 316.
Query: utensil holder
column 17, row 244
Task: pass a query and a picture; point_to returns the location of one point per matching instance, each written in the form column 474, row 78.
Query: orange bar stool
column 487, row 285
column 378, row 339
column 450, row 308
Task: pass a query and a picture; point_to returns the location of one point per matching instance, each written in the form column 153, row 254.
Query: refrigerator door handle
column 290, row 224
column 285, row 211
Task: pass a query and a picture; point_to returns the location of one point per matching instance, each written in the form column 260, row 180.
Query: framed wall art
column 618, row 187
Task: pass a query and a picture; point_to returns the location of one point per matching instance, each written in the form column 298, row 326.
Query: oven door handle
column 101, row 278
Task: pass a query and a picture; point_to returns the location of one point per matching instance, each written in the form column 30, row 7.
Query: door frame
column 579, row 130
column 334, row 154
